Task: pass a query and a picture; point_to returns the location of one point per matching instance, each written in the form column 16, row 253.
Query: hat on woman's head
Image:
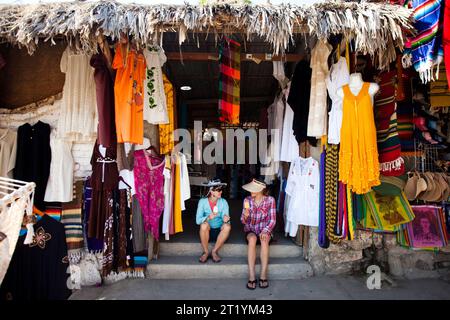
column 214, row 183
column 254, row 186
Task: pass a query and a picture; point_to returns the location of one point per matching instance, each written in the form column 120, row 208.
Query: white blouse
column 303, row 190
column 155, row 104
column 79, row 117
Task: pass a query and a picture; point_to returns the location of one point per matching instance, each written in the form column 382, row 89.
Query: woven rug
column 229, row 81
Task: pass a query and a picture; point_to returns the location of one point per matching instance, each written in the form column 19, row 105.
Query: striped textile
column 71, row 219
column 229, row 81
column 439, row 90
column 446, row 38
column 426, row 46
column 389, row 147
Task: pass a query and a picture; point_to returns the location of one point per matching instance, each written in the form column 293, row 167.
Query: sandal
column 263, row 281
column 204, row 257
column 215, row 257
column 251, row 285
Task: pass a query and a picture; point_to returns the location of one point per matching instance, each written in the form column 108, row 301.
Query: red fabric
column 446, row 39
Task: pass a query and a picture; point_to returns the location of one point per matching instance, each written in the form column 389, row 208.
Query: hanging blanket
column 389, row 147
column 229, row 81
column 386, row 213
column 446, row 39
column 426, row 46
column 71, row 219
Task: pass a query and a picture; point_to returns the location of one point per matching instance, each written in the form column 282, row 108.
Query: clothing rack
column 12, row 190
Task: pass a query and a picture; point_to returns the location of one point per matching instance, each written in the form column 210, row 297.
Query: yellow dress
column 177, row 222
column 358, row 154
column 166, row 142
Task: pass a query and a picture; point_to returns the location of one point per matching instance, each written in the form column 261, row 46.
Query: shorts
column 257, row 241
column 213, row 234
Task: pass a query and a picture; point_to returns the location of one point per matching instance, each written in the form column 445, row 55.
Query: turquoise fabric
column 204, row 210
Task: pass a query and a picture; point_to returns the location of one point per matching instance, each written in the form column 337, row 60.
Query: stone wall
column 372, row 248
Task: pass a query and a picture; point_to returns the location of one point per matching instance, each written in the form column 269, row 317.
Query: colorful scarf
column 94, row 245
column 331, row 194
column 322, row 240
column 389, row 147
column 426, row 46
column 229, row 81
column 71, row 219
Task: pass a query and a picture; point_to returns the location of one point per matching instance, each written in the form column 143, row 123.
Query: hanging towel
column 229, row 81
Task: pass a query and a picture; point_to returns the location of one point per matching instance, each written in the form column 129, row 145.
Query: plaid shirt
column 261, row 218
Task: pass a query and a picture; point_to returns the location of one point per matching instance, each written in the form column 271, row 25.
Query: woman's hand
column 264, row 236
column 212, row 216
column 226, row 219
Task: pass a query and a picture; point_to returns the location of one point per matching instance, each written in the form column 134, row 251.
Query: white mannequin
column 355, row 84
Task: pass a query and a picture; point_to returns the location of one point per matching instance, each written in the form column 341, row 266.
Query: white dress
column 337, row 77
column 289, row 145
column 8, row 150
column 60, row 181
column 78, row 118
column 155, row 104
column 303, row 189
column 317, row 118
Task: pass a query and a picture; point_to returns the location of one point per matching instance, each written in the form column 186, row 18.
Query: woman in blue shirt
column 214, row 219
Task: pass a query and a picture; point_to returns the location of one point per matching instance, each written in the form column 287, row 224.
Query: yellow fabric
column 178, row 224
column 129, row 95
column 166, row 142
column 347, row 55
column 358, row 155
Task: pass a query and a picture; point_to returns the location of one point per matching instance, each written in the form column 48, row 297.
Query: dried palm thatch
column 375, row 27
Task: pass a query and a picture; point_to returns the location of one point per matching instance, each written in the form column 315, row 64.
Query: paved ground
column 332, row 287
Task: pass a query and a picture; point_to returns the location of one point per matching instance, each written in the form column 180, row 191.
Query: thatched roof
column 376, row 27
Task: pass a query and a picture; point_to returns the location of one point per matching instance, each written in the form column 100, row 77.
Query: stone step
column 287, row 250
column 188, row 267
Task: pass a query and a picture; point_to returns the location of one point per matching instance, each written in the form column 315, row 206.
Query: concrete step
column 286, row 250
column 188, row 267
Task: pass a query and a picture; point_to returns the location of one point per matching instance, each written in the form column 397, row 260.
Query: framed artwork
column 426, row 229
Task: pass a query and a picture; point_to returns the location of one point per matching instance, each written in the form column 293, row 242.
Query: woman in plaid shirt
column 259, row 218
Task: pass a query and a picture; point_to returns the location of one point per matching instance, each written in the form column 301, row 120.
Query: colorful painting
column 426, row 230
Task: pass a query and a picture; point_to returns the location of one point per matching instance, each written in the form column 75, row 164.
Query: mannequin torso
column 355, row 84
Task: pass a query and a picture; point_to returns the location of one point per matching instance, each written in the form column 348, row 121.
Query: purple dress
column 149, row 182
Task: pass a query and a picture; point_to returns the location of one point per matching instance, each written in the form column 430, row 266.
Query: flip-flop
column 216, row 260
column 250, row 282
column 263, row 280
column 201, row 260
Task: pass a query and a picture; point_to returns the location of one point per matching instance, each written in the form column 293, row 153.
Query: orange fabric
column 166, row 142
column 129, row 95
column 358, row 155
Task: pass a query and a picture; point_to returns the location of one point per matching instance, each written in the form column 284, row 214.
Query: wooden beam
column 243, row 99
column 206, row 56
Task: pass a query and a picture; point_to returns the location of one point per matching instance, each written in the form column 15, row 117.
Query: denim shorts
column 213, row 234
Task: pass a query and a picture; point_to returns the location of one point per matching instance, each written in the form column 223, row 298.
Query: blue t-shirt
column 204, row 210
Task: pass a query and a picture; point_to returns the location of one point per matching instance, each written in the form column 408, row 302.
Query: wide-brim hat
column 255, row 186
column 214, row 183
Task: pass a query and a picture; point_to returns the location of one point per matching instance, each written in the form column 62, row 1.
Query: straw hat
column 432, row 193
column 214, row 183
column 255, row 186
column 414, row 186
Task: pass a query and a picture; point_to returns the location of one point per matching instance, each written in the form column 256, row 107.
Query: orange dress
column 358, row 154
column 129, row 95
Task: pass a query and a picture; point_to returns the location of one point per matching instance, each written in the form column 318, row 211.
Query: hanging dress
column 78, row 118
column 129, row 95
column 317, row 118
column 149, row 183
column 358, row 155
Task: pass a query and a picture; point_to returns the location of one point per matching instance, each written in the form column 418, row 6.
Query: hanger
column 152, row 148
column 123, row 180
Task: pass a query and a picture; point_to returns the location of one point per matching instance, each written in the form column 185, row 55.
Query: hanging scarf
column 229, row 81
column 331, row 193
column 426, row 47
column 446, row 39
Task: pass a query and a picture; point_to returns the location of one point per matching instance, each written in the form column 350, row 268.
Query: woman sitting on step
column 259, row 217
column 214, row 220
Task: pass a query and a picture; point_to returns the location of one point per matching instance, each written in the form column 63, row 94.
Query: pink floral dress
column 149, row 182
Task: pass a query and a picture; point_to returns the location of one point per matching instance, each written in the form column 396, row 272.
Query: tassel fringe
column 392, row 165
